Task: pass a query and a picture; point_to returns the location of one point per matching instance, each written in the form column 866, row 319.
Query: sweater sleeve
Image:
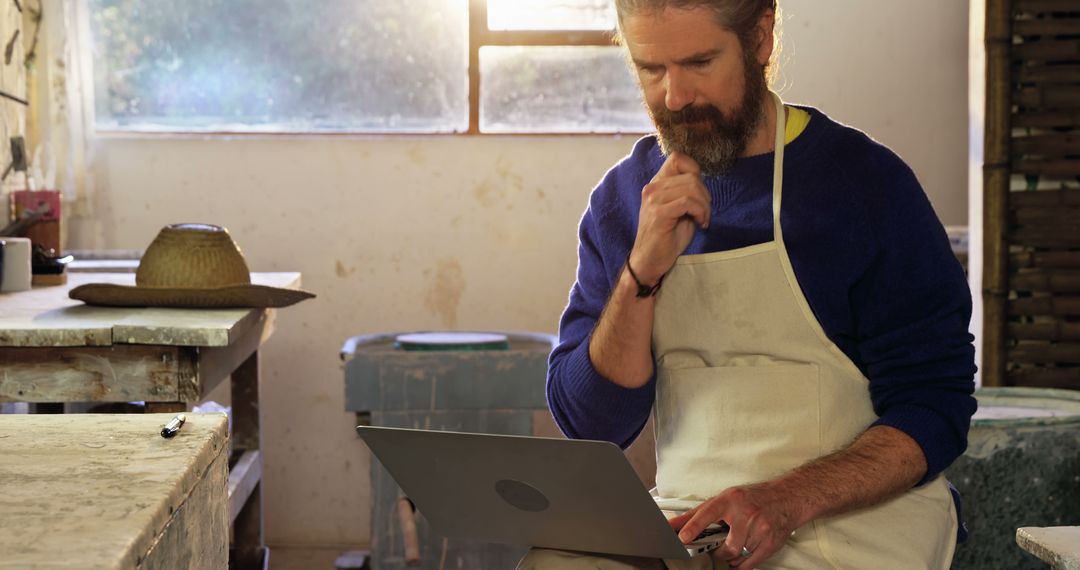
column 586, row 405
column 912, row 308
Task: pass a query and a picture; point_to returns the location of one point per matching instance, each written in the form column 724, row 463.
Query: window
column 549, row 66
column 380, row 66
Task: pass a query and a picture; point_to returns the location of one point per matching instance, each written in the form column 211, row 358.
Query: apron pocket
column 723, row 426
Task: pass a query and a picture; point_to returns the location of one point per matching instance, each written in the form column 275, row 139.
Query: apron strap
column 778, row 164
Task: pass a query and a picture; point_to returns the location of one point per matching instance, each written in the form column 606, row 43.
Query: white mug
column 15, row 275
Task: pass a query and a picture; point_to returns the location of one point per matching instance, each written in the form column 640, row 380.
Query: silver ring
column 745, row 552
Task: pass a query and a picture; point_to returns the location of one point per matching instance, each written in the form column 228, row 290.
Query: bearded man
column 775, row 288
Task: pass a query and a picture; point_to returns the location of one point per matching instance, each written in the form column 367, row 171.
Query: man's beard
column 704, row 134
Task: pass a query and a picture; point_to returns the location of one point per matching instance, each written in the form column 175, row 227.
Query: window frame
column 480, row 35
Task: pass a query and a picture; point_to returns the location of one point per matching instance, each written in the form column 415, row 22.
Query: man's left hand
column 880, row 464
column 761, row 517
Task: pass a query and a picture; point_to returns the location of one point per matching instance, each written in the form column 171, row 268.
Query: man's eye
column 699, row 63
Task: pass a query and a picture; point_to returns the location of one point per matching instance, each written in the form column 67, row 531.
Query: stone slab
column 1018, row 472
column 1057, row 546
column 107, row 491
column 195, row 537
column 45, row 316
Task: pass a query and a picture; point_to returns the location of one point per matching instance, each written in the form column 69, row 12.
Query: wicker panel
column 1045, row 6
column 1052, row 145
column 1057, row 306
column 1032, row 194
column 1045, row 377
column 1066, row 50
column 1043, row 281
column 1042, row 217
column 1047, row 120
column 1040, row 27
column 1045, row 353
column 1049, row 74
column 1044, row 259
column 1047, row 331
column 1048, row 97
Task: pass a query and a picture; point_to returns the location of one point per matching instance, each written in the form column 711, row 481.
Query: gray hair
column 737, row 16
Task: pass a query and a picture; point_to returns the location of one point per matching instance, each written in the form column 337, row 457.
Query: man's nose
column 679, row 92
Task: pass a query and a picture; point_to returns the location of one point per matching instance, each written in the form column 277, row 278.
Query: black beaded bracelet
column 643, row 290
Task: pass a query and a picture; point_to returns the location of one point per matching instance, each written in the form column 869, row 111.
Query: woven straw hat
column 191, row 266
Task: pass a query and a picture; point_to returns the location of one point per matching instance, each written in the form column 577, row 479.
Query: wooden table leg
column 248, row 527
column 247, row 534
column 245, row 404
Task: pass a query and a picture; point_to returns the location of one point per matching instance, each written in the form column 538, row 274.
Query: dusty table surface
column 44, row 316
column 1058, row 546
column 96, row 490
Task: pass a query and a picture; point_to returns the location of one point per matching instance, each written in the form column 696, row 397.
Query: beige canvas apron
column 749, row 387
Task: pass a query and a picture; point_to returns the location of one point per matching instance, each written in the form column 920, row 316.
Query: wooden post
column 248, row 527
column 996, row 175
column 407, row 517
column 166, row 407
column 248, row 552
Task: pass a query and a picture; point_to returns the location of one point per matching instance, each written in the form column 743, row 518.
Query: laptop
column 555, row 493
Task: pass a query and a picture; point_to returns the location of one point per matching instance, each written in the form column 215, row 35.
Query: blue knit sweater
column 870, row 256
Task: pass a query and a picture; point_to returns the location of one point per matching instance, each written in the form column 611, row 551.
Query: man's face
column 704, row 93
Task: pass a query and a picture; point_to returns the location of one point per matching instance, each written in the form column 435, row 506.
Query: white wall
column 405, row 233
column 895, row 69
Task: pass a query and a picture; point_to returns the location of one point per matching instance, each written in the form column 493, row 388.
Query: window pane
column 281, row 65
column 562, row 89
column 551, row 15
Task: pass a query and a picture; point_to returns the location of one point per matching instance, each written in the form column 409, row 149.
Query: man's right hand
column 671, row 205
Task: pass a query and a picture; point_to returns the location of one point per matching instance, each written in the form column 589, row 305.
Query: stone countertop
column 96, row 490
column 45, row 316
column 1058, row 546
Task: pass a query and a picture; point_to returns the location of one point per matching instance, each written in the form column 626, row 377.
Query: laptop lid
column 555, row 493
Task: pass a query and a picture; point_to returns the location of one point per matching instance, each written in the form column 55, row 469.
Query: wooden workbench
column 107, row 491
column 55, row 350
